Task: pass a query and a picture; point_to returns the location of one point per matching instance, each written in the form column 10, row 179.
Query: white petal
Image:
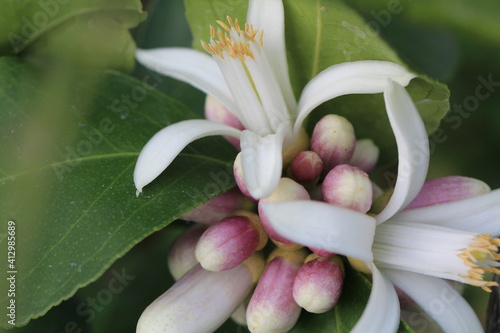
column 439, row 300
column 269, row 16
column 480, row 214
column 381, row 314
column 190, row 66
column 413, row 148
column 262, row 162
column 323, row 226
column 165, row 145
column 359, row 77
column 199, row 302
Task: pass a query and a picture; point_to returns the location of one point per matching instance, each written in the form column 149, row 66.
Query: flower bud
column 349, row 187
column 238, row 177
column 216, row 111
column 365, row 155
column 229, row 242
column 287, row 190
column 218, row 208
column 318, row 284
column 272, row 307
column 301, row 143
column 181, row 256
column 306, row 166
column 201, row 300
column 446, row 189
column 333, row 139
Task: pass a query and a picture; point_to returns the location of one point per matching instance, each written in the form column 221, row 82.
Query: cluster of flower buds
column 230, row 242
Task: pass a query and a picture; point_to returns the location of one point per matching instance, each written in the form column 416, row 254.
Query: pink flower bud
column 287, row 190
column 201, row 300
column 238, row 177
column 306, row 166
column 216, row 111
column 218, row 208
column 365, row 155
column 181, row 256
column 318, row 284
column 272, row 307
column 229, row 242
column 446, row 189
column 349, row 187
column 333, row 139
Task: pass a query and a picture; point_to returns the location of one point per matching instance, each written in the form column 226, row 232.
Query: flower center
column 234, row 42
column 481, row 256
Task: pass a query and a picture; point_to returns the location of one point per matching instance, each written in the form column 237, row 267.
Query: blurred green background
column 456, row 42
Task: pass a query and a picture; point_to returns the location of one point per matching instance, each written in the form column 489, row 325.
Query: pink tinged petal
column 413, row 148
column 479, row 214
column 261, row 162
column 441, row 302
column 272, row 307
column 381, row 313
column 199, row 302
column 190, row 66
column 238, row 177
column 349, row 187
column 306, row 167
column 446, row 189
column 216, row 111
column 359, row 77
column 286, row 190
column 323, row 226
column 218, row 208
column 318, row 284
column 269, row 16
column 231, row 241
column 181, row 256
column 365, row 155
column 333, row 139
column 165, row 145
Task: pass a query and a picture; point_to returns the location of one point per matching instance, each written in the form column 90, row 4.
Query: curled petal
column 262, row 162
column 381, row 314
column 323, row 226
column 190, row 66
column 413, row 148
column 358, row 77
column 441, row 302
column 165, row 145
column 479, row 214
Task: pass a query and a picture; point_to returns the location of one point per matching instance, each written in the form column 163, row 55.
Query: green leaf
column 346, row 312
column 69, row 146
column 83, row 33
column 323, row 33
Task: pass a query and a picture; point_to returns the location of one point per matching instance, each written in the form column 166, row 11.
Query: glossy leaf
column 69, row 146
column 323, row 33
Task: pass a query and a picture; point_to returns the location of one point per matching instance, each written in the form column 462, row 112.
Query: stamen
column 232, row 40
column 483, row 248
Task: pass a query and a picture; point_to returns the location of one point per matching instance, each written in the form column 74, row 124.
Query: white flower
column 247, row 72
column 412, row 249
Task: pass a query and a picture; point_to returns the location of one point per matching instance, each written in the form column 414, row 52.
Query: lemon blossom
column 247, row 71
column 413, row 249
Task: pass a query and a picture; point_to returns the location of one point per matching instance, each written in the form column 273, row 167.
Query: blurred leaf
column 84, row 33
column 66, row 161
column 473, row 18
column 323, row 33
